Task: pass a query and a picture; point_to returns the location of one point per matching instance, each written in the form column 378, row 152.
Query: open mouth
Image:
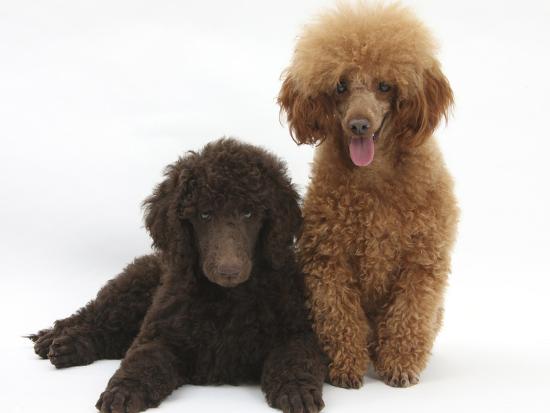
column 361, row 148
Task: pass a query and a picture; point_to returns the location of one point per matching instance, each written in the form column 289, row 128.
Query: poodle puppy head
column 364, row 75
column 223, row 210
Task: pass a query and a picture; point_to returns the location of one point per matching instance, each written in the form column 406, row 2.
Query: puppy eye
column 205, row 216
column 247, row 214
column 384, row 87
column 341, row 87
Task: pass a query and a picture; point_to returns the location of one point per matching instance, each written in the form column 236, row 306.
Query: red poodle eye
column 341, row 87
column 247, row 214
column 205, row 216
column 384, row 87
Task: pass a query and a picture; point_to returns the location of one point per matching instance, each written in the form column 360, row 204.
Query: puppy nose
column 359, row 126
column 230, row 270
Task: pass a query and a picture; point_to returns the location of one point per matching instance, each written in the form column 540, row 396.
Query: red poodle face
column 226, row 242
column 360, row 73
column 357, row 108
column 363, row 104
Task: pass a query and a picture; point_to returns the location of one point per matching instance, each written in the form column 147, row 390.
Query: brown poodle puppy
column 222, row 300
column 380, row 215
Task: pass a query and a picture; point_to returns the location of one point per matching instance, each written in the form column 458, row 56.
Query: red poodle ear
column 310, row 118
column 417, row 116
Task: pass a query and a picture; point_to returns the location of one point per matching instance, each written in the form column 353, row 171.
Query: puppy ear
column 283, row 223
column 418, row 115
column 163, row 209
column 310, row 118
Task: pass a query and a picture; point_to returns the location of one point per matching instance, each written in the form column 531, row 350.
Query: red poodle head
column 365, row 76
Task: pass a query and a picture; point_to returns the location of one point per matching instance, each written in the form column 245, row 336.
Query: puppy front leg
column 146, row 376
column 338, row 320
column 107, row 325
column 293, row 376
column 406, row 332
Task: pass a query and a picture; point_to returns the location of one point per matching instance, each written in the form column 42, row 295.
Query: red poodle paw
column 400, row 379
column 347, row 380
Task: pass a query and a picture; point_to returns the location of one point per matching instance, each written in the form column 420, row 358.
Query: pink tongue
column 361, row 150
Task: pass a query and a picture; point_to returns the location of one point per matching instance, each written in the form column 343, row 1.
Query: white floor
column 459, row 378
column 486, row 359
column 97, row 97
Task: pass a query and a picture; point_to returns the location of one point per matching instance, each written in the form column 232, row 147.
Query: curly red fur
column 417, row 117
column 376, row 241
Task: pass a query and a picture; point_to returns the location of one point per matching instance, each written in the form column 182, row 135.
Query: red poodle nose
column 359, row 126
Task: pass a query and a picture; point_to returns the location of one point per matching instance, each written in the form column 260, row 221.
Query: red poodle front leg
column 338, row 320
column 406, row 332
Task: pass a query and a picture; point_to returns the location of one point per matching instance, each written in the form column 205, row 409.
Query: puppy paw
column 347, row 380
column 42, row 342
column 121, row 398
column 70, row 349
column 400, row 378
column 297, row 399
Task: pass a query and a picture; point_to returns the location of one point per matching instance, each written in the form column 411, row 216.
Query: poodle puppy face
column 226, row 240
column 365, row 75
column 223, row 210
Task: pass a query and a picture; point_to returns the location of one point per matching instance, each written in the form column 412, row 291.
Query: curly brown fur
column 220, row 302
column 106, row 326
column 380, row 215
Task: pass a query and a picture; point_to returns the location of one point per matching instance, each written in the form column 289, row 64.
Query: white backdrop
column 96, row 97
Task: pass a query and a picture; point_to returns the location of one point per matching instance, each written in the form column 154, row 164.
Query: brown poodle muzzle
column 226, row 252
column 228, row 270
